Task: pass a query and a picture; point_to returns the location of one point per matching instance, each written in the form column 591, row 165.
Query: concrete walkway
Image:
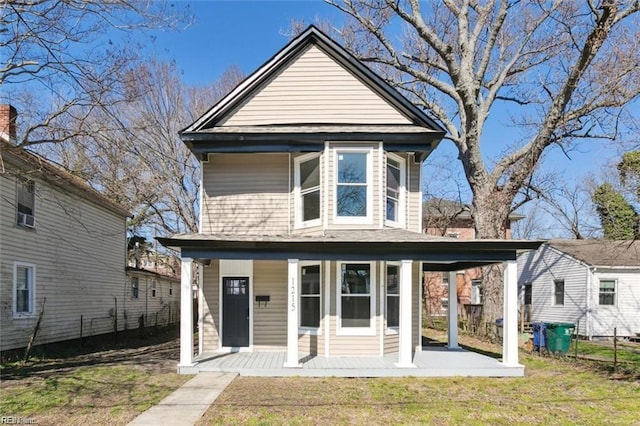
column 187, row 404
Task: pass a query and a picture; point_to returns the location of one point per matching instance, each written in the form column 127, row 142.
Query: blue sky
column 247, row 33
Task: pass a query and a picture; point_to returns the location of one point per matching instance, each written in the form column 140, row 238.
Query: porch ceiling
column 439, row 254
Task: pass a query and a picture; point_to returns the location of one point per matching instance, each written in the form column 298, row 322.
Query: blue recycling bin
column 538, row 335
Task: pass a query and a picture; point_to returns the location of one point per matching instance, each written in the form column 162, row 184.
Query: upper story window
column 153, row 289
column 24, row 287
column 307, row 183
column 395, row 189
column 353, row 185
column 26, row 203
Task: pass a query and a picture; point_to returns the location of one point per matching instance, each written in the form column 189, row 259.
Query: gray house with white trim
column 310, row 240
column 594, row 284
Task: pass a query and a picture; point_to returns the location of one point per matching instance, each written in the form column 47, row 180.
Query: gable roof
column 55, row 175
column 603, row 253
column 209, row 132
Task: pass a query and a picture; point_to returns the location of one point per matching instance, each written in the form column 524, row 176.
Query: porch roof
column 437, row 253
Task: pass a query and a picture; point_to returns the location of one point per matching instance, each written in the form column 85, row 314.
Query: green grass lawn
column 554, row 391
column 604, row 350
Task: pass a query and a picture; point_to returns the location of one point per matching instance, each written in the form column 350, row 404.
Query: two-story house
column 310, row 240
column 63, row 253
column 60, row 241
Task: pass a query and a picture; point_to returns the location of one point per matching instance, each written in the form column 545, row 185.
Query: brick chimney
column 8, row 116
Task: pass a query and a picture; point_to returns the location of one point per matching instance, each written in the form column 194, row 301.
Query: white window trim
column 615, row 292
column 297, row 192
column 368, row 219
column 316, row 331
column 402, row 197
column 32, row 291
column 390, row 330
column 553, row 293
column 356, row 331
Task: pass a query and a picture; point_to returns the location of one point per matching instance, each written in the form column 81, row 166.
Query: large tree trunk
column 491, row 211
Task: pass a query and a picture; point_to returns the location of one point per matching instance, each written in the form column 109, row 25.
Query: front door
column 235, row 311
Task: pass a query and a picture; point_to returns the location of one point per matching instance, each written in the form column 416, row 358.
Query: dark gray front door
column 235, row 311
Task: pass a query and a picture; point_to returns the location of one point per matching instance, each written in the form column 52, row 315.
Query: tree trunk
column 491, row 213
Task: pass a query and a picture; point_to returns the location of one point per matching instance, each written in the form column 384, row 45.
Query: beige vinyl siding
column 211, row 307
column 391, row 343
column 313, row 88
column 414, row 196
column 246, row 194
column 78, row 250
column 270, row 321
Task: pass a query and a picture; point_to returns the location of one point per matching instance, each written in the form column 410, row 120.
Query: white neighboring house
column 594, row 284
column 60, row 240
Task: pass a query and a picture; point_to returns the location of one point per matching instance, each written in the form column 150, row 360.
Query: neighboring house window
column 607, row 294
column 26, row 203
column 170, row 289
column 558, row 292
column 310, row 296
column 153, row 289
column 444, row 303
column 307, row 182
column 353, row 185
column 528, row 293
column 395, row 188
column 476, row 292
column 24, row 284
column 445, row 279
column 453, row 234
column 356, row 298
column 393, row 296
column 134, row 287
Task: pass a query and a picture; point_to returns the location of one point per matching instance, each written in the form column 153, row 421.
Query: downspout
column 588, row 317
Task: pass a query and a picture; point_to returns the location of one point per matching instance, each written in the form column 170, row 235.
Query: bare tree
column 141, row 161
column 563, row 70
column 61, row 59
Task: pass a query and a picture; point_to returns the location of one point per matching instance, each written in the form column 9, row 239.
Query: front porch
column 432, row 361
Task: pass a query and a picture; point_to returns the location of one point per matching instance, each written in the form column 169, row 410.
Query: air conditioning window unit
column 26, row 220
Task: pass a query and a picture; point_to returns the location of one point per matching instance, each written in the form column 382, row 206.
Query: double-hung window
column 356, row 298
column 307, row 183
column 558, row 292
column 353, row 186
column 395, row 189
column 135, row 283
column 24, row 285
column 26, row 203
column 607, row 294
column 310, row 296
column 393, row 296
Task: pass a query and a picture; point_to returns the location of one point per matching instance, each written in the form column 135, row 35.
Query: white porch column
column 292, row 318
column 186, row 313
column 510, row 317
column 406, row 327
column 452, row 312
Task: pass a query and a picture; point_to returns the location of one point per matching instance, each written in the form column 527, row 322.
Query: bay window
column 310, row 296
column 393, row 296
column 356, row 297
column 395, row 189
column 353, row 185
column 307, row 183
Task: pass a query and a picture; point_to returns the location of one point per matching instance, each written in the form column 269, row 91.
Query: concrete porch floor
column 432, row 361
